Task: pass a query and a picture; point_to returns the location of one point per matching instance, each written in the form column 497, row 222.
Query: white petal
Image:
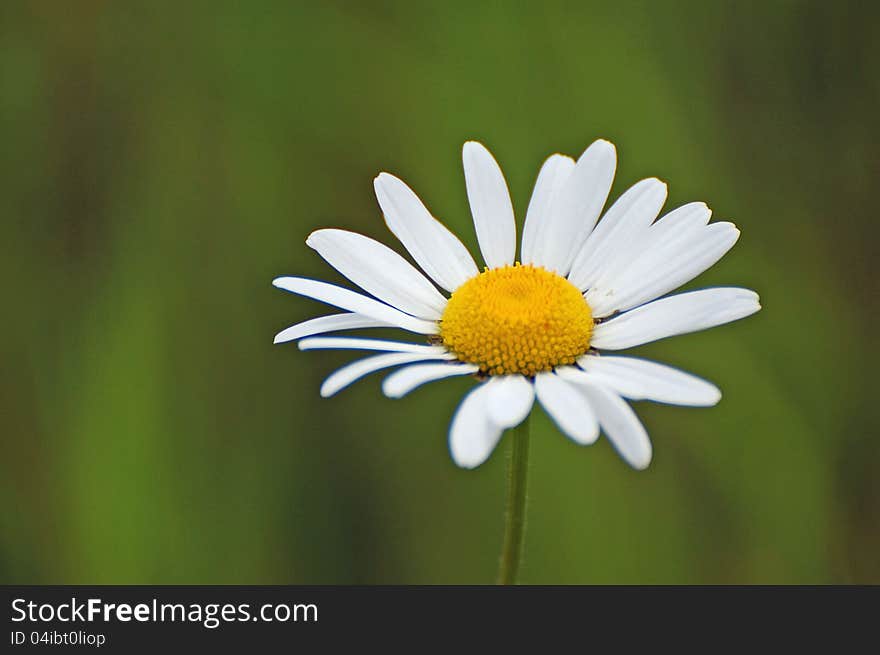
column 355, row 302
column 349, row 373
column 692, row 214
column 551, row 177
column 628, row 218
column 400, row 383
column 510, row 399
column 331, row 323
column 437, row 250
column 576, row 208
column 355, row 343
column 379, row 271
column 675, row 226
column 472, row 435
column 621, row 425
column 490, row 205
column 641, row 379
column 567, row 407
column 665, row 268
column 679, row 314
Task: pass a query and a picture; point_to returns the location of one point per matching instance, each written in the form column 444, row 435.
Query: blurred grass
column 164, row 162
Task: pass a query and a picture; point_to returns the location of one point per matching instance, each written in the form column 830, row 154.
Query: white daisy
column 538, row 327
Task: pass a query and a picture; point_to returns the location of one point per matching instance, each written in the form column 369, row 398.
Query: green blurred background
column 162, row 162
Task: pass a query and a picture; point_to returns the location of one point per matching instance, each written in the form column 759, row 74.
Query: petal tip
column 606, row 145
column 391, row 389
column 641, row 464
column 382, row 178
column 468, row 463
column 756, row 299
column 473, row 149
column 640, row 460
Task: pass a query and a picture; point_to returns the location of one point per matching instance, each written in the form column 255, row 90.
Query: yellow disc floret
column 517, row 319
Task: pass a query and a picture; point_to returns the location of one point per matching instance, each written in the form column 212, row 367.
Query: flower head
column 538, row 327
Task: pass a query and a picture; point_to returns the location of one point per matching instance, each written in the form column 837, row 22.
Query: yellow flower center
column 517, row 319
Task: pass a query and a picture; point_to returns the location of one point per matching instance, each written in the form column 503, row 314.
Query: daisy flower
column 542, row 327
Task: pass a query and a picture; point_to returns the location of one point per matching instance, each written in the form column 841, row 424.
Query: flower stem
column 515, row 515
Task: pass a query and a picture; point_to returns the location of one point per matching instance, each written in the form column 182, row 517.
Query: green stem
column 515, row 515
